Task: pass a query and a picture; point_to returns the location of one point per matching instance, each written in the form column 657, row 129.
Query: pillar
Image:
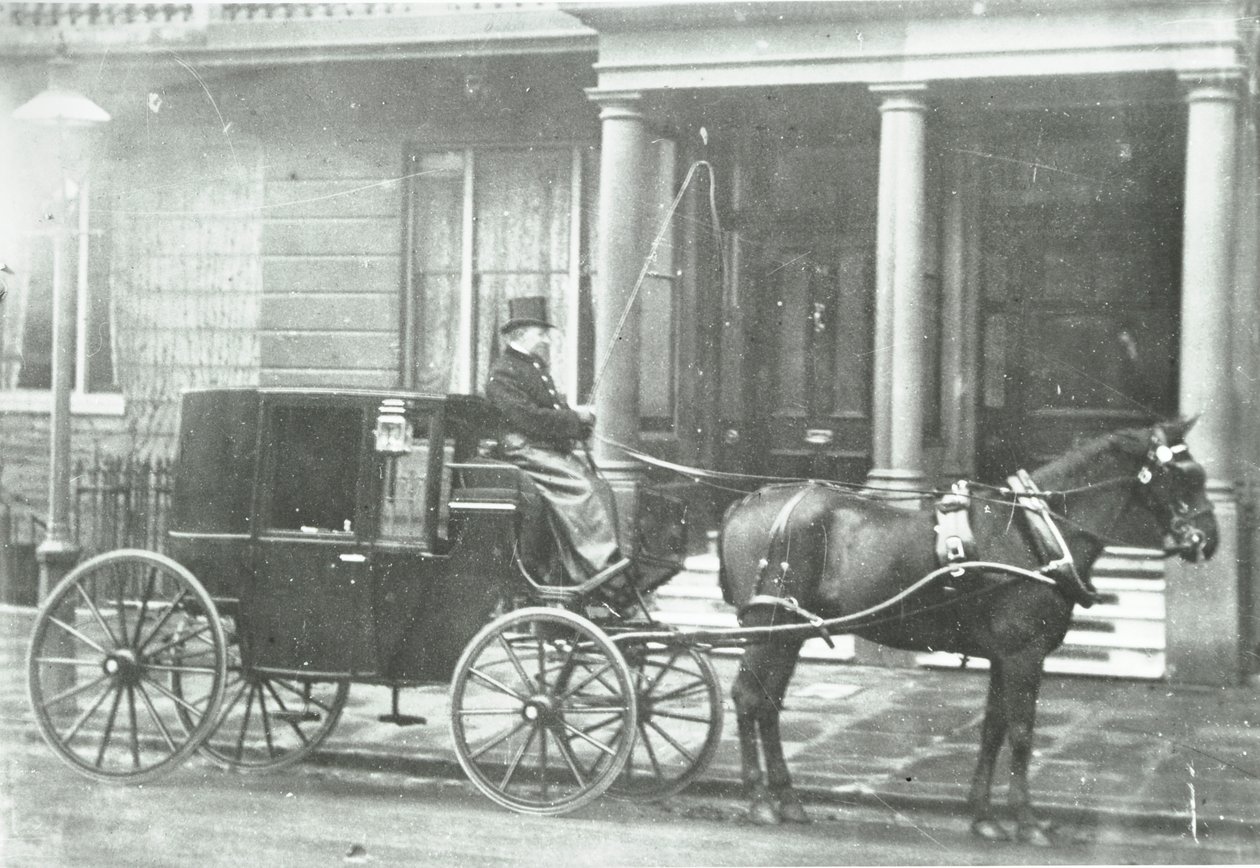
column 1203, row 618
column 619, row 254
column 900, row 333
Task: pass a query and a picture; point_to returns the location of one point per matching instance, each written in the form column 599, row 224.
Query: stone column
column 1203, row 616
column 900, row 336
column 619, row 253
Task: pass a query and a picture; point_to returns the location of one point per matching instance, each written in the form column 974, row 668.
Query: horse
column 838, row 551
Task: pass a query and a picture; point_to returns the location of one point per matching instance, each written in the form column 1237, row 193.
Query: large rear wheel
column 269, row 722
column 679, row 702
column 108, row 646
column 542, row 711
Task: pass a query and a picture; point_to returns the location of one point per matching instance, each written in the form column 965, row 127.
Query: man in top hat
column 543, row 437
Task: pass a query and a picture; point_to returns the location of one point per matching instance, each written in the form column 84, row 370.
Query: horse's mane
column 1081, row 462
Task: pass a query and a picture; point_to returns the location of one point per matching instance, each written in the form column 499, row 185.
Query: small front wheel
column 109, row 644
column 679, row 702
column 542, row 711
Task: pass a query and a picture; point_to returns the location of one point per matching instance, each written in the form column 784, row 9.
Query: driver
column 542, row 437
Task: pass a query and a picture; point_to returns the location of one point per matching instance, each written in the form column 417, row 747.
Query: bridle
column 1164, row 473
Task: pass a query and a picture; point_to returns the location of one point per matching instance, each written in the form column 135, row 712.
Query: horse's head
column 1172, row 488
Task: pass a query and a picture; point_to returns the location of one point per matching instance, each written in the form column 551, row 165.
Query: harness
column 956, row 551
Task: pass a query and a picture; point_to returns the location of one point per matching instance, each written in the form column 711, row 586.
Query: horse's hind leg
column 758, row 693
column 992, row 734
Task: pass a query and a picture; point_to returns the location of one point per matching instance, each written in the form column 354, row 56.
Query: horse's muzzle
column 1193, row 541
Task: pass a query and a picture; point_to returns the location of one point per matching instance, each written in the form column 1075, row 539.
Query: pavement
column 1108, row 752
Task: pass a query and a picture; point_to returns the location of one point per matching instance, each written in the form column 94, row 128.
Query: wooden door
column 808, row 356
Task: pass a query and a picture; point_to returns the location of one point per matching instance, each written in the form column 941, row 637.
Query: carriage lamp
column 393, row 434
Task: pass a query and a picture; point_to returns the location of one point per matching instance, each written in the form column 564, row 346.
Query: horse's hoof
column 763, row 814
column 1037, row 834
column 989, row 830
column 791, row 810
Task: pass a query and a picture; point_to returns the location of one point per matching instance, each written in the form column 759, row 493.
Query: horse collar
column 1048, row 542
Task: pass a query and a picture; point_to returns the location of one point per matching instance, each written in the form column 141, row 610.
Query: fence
column 117, row 503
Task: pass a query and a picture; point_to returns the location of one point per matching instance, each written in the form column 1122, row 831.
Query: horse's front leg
column 782, row 667
column 758, row 695
column 760, row 806
column 1022, row 680
column 992, row 734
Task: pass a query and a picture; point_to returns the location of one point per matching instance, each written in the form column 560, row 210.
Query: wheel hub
column 540, row 709
column 122, row 665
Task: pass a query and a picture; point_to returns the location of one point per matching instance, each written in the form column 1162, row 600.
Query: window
column 485, row 225
column 26, row 335
column 315, row 468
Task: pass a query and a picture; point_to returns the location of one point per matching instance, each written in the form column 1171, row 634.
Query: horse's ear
column 1176, row 430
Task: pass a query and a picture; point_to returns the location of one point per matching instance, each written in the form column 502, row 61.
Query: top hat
column 526, row 311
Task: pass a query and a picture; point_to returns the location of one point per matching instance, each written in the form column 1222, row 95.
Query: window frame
column 83, row 402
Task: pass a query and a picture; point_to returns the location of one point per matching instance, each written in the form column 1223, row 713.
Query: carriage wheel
column 270, row 722
column 679, row 702
column 108, row 645
column 542, row 711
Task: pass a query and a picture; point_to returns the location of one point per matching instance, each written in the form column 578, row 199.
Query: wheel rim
column 108, row 644
column 542, row 711
column 679, row 702
column 270, row 722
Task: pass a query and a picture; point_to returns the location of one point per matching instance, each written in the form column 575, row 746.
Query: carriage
column 320, row 539
column 325, row 538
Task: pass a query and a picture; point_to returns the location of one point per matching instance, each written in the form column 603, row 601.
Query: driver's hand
column 586, row 413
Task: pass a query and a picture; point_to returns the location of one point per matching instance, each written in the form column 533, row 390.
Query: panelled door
column 807, row 356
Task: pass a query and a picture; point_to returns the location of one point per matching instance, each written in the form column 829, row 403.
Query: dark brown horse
column 838, row 552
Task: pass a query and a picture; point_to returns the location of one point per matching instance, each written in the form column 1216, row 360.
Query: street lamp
column 63, row 108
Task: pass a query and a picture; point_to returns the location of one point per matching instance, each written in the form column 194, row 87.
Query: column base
column 1203, row 621
column 57, row 556
column 896, row 485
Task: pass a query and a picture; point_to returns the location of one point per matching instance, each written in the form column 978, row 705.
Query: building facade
column 915, row 240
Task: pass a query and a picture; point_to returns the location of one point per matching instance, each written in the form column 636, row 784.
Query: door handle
column 351, row 558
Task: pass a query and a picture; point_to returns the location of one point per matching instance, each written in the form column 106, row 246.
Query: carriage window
column 405, row 512
column 316, row 468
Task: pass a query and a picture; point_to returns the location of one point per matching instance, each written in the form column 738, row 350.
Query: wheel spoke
column 608, row 665
column 109, row 727
column 686, row 690
column 518, row 756
column 156, row 718
column 569, row 759
column 83, row 718
column 135, row 728
column 74, row 691
column 674, row 715
column 149, row 585
column 647, row 746
column 293, row 724
column 172, row 696
column 526, row 683
column 672, row 741
column 180, row 639
column 495, row 684
column 161, row 622
column 663, row 668
column 598, row 745
column 249, row 707
column 76, row 634
column 499, row 739
column 96, row 614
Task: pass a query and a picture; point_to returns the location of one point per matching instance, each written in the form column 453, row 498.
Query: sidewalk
column 1107, row 752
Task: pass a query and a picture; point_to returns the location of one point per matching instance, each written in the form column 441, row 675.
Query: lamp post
column 61, row 107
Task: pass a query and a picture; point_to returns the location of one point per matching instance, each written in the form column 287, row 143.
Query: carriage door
column 309, row 606
column 807, row 357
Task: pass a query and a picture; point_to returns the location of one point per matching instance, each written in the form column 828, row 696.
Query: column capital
column 1213, row 85
column 901, row 95
column 617, row 104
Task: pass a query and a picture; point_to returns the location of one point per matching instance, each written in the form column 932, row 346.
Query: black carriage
column 324, row 538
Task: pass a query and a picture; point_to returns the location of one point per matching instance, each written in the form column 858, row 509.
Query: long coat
column 541, row 437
